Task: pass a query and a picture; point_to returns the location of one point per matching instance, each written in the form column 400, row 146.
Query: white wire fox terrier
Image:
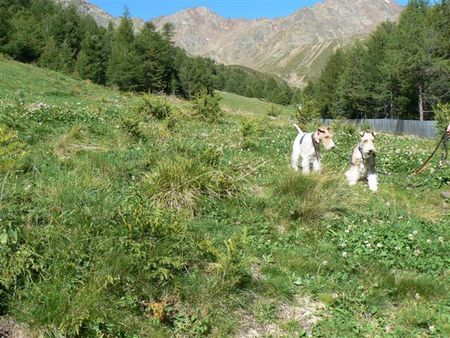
column 307, row 146
column 362, row 162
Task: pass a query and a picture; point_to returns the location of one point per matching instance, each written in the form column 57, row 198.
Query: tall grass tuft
column 317, row 197
column 179, row 183
column 72, row 143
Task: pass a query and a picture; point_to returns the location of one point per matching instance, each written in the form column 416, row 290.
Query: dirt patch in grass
column 11, row 329
column 251, row 328
column 304, row 311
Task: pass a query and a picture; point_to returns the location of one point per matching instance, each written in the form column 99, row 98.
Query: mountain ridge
column 294, row 47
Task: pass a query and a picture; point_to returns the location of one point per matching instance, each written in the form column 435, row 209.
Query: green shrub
column 4, row 57
column 342, row 126
column 274, row 111
column 442, row 111
column 207, row 107
column 155, row 107
column 232, row 267
column 12, row 150
column 307, row 115
column 250, row 130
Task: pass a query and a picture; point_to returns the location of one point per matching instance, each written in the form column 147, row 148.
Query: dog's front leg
column 295, row 156
column 373, row 182
column 306, row 165
column 352, row 175
column 316, row 165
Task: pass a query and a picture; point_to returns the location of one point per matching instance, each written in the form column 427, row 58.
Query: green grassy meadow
column 117, row 224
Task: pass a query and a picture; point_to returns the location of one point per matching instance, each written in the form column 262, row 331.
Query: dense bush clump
column 207, row 107
column 155, row 107
column 12, row 150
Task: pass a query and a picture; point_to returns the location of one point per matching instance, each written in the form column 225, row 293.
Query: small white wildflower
column 324, row 262
column 364, row 221
column 431, row 328
column 347, row 231
column 344, row 254
column 411, row 236
column 400, row 217
column 379, row 245
column 429, row 241
column 417, row 252
column 417, row 296
column 388, row 328
column 415, row 232
column 368, row 245
column 335, row 296
column 441, row 239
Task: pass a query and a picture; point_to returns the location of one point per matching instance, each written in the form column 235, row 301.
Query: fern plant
column 12, row 150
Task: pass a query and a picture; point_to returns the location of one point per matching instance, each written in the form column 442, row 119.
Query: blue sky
column 251, row 9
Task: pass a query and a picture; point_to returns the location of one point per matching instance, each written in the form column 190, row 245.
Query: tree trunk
column 421, row 112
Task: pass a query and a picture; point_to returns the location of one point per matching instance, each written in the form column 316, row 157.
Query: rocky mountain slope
column 100, row 16
column 294, row 47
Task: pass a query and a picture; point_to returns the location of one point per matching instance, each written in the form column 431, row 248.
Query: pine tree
column 91, row 60
column 326, row 86
column 196, row 76
column 26, row 40
column 351, row 90
column 168, row 31
column 50, row 57
column 149, row 45
column 124, row 64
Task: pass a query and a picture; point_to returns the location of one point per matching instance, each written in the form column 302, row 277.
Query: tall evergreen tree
column 148, row 44
column 326, row 86
column 353, row 96
column 91, row 61
column 124, row 66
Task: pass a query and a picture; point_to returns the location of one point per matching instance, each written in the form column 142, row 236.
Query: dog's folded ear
column 374, row 133
column 362, row 133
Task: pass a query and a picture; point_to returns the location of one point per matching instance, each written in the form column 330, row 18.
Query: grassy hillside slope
column 118, row 224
